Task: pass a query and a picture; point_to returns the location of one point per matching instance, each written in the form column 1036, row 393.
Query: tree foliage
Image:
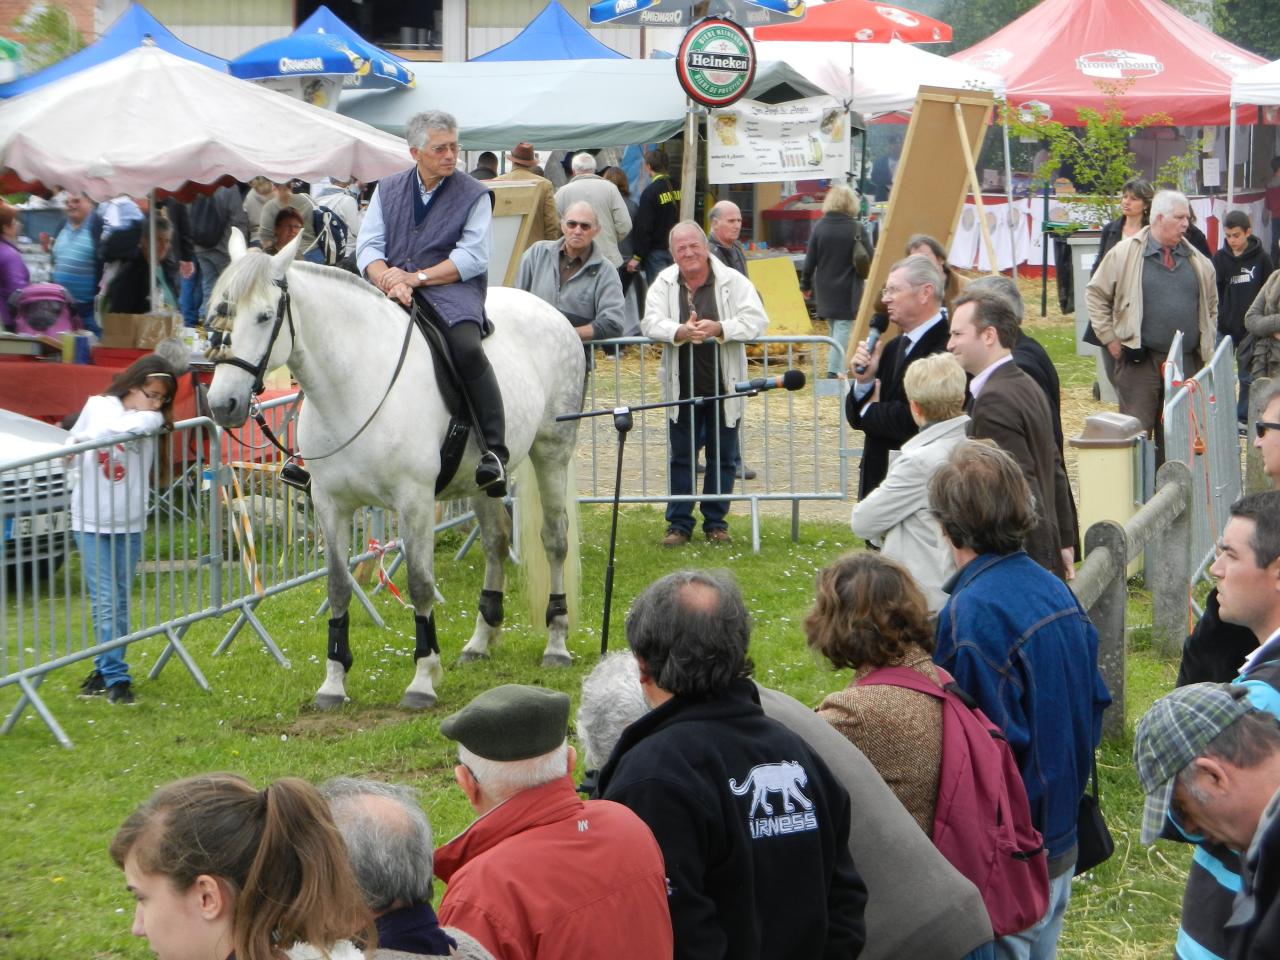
column 48, row 34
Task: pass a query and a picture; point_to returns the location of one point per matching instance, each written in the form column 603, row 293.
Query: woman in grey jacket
column 896, row 514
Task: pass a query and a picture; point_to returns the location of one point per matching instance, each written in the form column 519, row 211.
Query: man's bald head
column 726, row 223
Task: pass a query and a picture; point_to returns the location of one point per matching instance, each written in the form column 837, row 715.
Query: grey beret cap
column 511, row 722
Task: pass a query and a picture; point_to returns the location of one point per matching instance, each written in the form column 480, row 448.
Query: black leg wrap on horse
column 491, row 607
column 425, row 627
column 557, row 606
column 339, row 646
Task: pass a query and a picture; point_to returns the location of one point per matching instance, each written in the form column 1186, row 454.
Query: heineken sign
column 716, row 62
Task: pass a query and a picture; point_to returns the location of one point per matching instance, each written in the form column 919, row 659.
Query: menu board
column 753, row 142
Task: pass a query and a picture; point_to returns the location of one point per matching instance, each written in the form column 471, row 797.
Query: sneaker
column 719, row 535
column 675, row 537
column 746, row 473
column 120, row 693
column 93, row 686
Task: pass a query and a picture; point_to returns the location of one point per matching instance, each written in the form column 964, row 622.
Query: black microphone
column 791, row 380
column 873, row 337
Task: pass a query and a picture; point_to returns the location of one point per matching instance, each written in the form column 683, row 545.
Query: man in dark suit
column 1011, row 410
column 877, row 404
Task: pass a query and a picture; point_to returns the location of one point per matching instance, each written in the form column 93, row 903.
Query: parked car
column 35, row 507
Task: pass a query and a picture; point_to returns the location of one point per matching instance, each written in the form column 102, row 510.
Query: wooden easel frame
column 514, row 199
column 934, row 175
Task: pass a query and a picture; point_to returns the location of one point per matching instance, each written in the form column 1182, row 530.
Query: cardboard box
column 138, row 331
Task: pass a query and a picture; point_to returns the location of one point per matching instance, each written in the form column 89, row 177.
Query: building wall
column 491, row 23
column 225, row 28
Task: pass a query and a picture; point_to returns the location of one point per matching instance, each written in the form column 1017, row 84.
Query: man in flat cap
column 542, row 873
column 752, row 823
column 1209, row 763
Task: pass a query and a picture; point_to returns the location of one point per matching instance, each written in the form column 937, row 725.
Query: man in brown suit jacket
column 546, row 222
column 1010, row 409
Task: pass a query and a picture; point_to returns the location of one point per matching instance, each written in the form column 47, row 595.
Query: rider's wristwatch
column 422, row 277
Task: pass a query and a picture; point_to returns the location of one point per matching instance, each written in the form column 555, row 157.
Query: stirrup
column 497, row 485
column 293, row 475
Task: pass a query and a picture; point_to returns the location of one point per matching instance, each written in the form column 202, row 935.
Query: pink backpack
column 43, row 309
column 982, row 821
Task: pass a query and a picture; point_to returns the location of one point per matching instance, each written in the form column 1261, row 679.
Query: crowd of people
column 722, row 818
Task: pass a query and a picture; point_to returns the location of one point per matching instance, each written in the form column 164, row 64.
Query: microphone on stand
column 791, row 380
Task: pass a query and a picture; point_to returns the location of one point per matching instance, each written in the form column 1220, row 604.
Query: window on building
column 402, row 25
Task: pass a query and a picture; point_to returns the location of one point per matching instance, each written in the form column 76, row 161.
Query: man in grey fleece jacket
column 573, row 276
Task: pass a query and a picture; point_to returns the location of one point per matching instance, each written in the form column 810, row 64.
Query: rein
column 284, row 312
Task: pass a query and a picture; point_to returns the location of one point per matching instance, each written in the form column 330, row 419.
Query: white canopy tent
column 886, row 76
column 148, row 120
column 565, row 104
column 1259, row 86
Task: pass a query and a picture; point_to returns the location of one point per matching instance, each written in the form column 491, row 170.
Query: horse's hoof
column 557, row 660
column 412, row 700
column 467, row 656
column 328, row 701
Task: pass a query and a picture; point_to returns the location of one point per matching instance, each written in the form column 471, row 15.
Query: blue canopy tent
column 324, row 45
column 552, row 35
column 135, row 28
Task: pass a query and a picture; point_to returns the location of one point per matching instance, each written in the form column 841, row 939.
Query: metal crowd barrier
column 223, row 535
column 1200, row 429
column 795, row 441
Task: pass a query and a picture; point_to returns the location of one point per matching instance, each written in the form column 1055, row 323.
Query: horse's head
column 250, row 327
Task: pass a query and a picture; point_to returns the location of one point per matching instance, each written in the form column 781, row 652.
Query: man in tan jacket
column 1148, row 288
column 546, row 222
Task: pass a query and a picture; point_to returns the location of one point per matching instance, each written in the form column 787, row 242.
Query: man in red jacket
column 543, row 873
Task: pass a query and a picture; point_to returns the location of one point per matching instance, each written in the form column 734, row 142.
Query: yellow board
column 779, row 286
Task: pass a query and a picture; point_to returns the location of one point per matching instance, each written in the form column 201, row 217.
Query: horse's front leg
column 336, row 528
column 417, row 531
column 495, row 536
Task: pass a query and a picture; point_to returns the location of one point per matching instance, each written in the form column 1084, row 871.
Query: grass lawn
column 62, row 898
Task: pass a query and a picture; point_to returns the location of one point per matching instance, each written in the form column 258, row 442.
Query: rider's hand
column 402, row 292
column 393, row 276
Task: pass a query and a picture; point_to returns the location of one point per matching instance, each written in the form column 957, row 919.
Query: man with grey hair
column 389, row 844
column 606, row 201
column 917, row 903
column 1147, row 289
column 753, row 826
column 703, row 311
column 572, row 276
column 541, row 873
column 425, row 238
column 877, row 404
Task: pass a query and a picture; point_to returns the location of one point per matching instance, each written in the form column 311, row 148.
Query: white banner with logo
column 752, row 142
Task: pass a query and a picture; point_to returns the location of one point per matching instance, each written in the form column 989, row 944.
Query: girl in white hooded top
column 109, row 506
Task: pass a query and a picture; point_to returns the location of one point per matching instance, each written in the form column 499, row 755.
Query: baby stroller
column 43, row 309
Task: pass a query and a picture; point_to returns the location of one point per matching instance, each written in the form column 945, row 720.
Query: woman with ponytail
column 221, row 871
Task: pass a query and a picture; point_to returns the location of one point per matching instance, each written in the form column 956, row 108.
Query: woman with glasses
column 109, row 506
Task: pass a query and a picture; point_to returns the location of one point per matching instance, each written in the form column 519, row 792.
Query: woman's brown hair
column 8, row 214
column 618, row 177
column 138, row 373
column 276, row 849
column 868, row 610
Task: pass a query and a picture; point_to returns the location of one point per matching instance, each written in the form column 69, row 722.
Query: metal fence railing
column 223, row 535
column 1200, row 429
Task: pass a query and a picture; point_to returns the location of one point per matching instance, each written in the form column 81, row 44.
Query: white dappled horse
column 341, row 339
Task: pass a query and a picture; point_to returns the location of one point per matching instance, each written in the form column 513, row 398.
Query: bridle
column 220, row 340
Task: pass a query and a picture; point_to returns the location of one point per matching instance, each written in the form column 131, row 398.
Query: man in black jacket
column 658, row 211
column 753, row 826
column 1242, row 266
column 877, row 404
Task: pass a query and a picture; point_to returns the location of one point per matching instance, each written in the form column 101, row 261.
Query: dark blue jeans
column 698, row 429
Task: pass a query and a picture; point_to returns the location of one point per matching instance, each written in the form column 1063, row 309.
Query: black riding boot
column 486, row 401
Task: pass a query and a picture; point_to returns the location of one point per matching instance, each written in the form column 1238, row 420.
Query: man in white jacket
column 704, row 311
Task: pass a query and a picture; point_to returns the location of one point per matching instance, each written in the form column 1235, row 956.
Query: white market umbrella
column 888, row 77
column 149, row 120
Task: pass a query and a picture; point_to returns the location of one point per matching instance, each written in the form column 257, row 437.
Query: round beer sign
column 716, row 62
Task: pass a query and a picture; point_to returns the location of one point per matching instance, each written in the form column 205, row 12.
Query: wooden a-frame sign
column 934, row 174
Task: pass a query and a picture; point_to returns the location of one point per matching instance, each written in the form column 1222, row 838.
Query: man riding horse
column 426, row 236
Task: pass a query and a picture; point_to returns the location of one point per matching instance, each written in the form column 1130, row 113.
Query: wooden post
column 689, row 169
column 976, row 187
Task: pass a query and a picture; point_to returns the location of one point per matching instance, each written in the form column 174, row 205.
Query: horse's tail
column 533, row 559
